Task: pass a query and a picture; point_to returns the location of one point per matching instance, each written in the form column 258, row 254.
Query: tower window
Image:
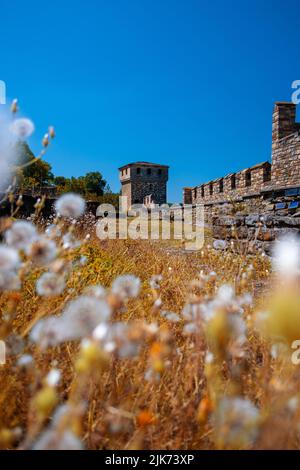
column 195, row 193
column 211, row 188
column 148, row 171
column 267, row 174
column 159, row 172
column 138, row 171
column 248, row 178
column 202, row 191
column 233, row 182
column 221, row 186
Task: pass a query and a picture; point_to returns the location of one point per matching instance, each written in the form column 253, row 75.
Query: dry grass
column 123, row 410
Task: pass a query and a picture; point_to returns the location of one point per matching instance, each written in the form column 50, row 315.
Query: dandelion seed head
column 21, row 234
column 9, row 258
column 50, row 284
column 126, row 286
column 22, row 128
column 286, row 256
column 70, row 205
column 42, row 251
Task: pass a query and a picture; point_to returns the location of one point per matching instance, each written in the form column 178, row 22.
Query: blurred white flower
column 155, row 281
column 51, row 439
column 8, row 150
column 9, row 258
column 42, row 251
column 21, row 234
column 70, row 205
column 9, row 280
column 83, row 314
column 22, row 128
column 97, row 291
column 219, row 244
column 235, row 422
column 50, row 284
column 126, row 286
column 286, row 256
column 171, row 316
column 53, row 377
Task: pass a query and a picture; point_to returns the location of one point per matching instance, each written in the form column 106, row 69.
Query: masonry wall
column 286, row 161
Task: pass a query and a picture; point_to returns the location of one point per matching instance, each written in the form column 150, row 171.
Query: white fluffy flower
column 50, row 284
column 70, row 205
column 51, row 439
column 79, row 320
column 286, row 255
column 236, row 422
column 21, row 234
column 22, row 128
column 126, row 286
column 9, row 280
column 42, row 251
column 82, row 315
column 219, row 244
column 53, row 377
column 9, row 258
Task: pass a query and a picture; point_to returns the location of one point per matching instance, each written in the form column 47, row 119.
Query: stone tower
column 144, row 183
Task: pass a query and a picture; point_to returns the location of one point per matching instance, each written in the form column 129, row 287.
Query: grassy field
column 182, row 362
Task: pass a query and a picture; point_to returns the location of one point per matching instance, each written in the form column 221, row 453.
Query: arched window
column 202, row 191
column 138, row 171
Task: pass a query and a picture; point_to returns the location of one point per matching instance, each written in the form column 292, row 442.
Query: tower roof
column 143, row 164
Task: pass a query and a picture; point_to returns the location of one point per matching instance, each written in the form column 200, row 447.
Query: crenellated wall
column 253, row 182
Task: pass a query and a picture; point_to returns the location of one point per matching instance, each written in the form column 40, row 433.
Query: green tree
column 37, row 174
column 94, row 183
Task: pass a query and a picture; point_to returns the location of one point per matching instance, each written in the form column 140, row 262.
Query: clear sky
column 188, row 83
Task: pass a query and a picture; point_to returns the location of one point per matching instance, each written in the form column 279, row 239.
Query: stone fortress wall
column 266, row 195
column 265, row 177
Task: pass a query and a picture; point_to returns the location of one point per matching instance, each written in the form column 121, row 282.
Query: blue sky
column 188, row 83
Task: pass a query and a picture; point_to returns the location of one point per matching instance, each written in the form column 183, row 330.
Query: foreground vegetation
column 173, row 356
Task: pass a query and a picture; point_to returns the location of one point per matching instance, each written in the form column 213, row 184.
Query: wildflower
column 69, row 241
column 42, row 251
column 97, row 291
column 155, row 281
column 126, row 286
column 45, row 141
column 51, row 131
column 83, row 315
column 14, row 106
column 287, row 256
column 53, row 440
column 70, row 205
column 26, row 360
column 50, row 284
column 9, row 281
column 9, row 258
column 219, row 244
column 22, row 128
column 53, row 377
column 47, row 332
column 144, row 418
column 235, row 422
column 171, row 316
column 21, row 234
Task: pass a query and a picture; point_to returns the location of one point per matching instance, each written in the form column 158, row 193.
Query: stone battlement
column 253, row 182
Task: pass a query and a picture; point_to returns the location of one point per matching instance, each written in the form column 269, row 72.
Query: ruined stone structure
column 261, row 202
column 254, row 185
column 144, row 183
